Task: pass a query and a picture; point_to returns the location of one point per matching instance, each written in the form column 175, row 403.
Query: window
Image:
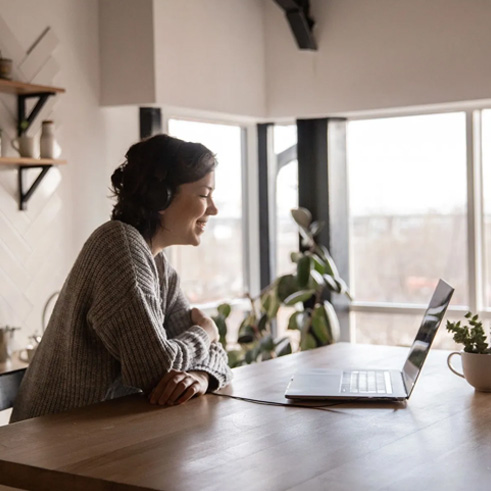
column 285, row 149
column 408, row 220
column 285, row 199
column 216, row 269
column 486, row 166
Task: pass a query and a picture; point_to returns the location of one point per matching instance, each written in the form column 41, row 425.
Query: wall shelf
column 24, row 161
column 25, row 91
column 21, row 88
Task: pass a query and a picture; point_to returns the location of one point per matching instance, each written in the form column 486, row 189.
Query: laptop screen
column 429, row 326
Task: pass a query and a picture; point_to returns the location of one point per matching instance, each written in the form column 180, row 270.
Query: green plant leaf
column 222, row 328
column 270, row 303
column 308, row 342
column 323, row 252
column 295, row 321
column 286, row 286
column 247, row 334
column 301, row 296
column 303, row 271
column 317, row 278
column 332, row 322
column 316, row 227
column 342, row 287
column 265, row 301
column 319, row 263
column 320, row 325
column 251, row 355
column 265, row 355
column 224, row 309
column 274, row 305
column 283, row 347
column 307, row 238
column 266, row 344
column 472, row 337
column 295, row 256
column 302, row 217
column 331, row 283
column 235, row 358
column 263, row 323
column 245, row 339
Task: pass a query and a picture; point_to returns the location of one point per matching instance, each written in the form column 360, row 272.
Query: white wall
column 127, row 52
column 121, row 129
column 377, row 54
column 210, row 55
column 38, row 246
column 205, row 55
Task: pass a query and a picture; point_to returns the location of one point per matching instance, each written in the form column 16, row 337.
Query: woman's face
column 183, row 222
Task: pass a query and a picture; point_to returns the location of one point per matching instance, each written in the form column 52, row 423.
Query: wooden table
column 439, row 440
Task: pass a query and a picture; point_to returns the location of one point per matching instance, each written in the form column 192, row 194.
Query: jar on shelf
column 48, row 145
column 3, row 143
column 5, row 67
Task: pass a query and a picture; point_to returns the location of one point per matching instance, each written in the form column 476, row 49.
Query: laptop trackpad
column 315, row 383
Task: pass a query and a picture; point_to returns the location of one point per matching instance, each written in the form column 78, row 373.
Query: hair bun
column 117, row 179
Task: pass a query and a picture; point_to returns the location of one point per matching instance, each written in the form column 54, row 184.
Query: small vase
column 48, row 144
column 5, row 68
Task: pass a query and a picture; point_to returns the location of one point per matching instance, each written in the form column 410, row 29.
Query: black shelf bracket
column 24, row 196
column 21, row 109
column 24, row 121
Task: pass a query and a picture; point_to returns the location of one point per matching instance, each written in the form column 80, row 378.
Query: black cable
column 306, row 405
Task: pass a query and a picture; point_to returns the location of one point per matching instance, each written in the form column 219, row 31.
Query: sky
column 407, row 165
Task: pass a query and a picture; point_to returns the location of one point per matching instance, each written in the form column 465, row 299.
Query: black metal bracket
column 21, row 109
column 301, row 23
column 24, row 196
column 24, row 121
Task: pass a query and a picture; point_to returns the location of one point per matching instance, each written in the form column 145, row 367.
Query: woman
column 121, row 324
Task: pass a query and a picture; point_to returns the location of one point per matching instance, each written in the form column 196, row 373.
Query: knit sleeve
column 216, row 365
column 126, row 311
column 178, row 320
column 134, row 336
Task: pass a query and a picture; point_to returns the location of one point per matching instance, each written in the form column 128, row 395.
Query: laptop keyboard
column 366, row 382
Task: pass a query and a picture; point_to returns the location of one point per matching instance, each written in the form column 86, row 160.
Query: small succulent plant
column 472, row 336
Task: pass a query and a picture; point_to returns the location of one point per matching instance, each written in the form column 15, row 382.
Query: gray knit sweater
column 120, row 323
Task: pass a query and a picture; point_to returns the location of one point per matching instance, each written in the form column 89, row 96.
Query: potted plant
column 476, row 359
column 309, row 288
column 23, row 126
column 306, row 289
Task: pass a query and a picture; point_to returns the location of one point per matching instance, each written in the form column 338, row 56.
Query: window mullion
column 474, row 210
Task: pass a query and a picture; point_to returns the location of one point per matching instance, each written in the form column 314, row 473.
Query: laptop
column 379, row 384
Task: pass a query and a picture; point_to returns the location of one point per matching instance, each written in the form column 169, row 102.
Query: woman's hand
column 177, row 387
column 199, row 318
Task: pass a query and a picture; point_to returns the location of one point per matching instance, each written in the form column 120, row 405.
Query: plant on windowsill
column 305, row 290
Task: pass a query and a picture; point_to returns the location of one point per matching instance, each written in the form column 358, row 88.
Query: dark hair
column 151, row 175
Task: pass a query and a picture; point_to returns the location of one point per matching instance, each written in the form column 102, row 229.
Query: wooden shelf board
column 29, row 161
column 16, row 87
